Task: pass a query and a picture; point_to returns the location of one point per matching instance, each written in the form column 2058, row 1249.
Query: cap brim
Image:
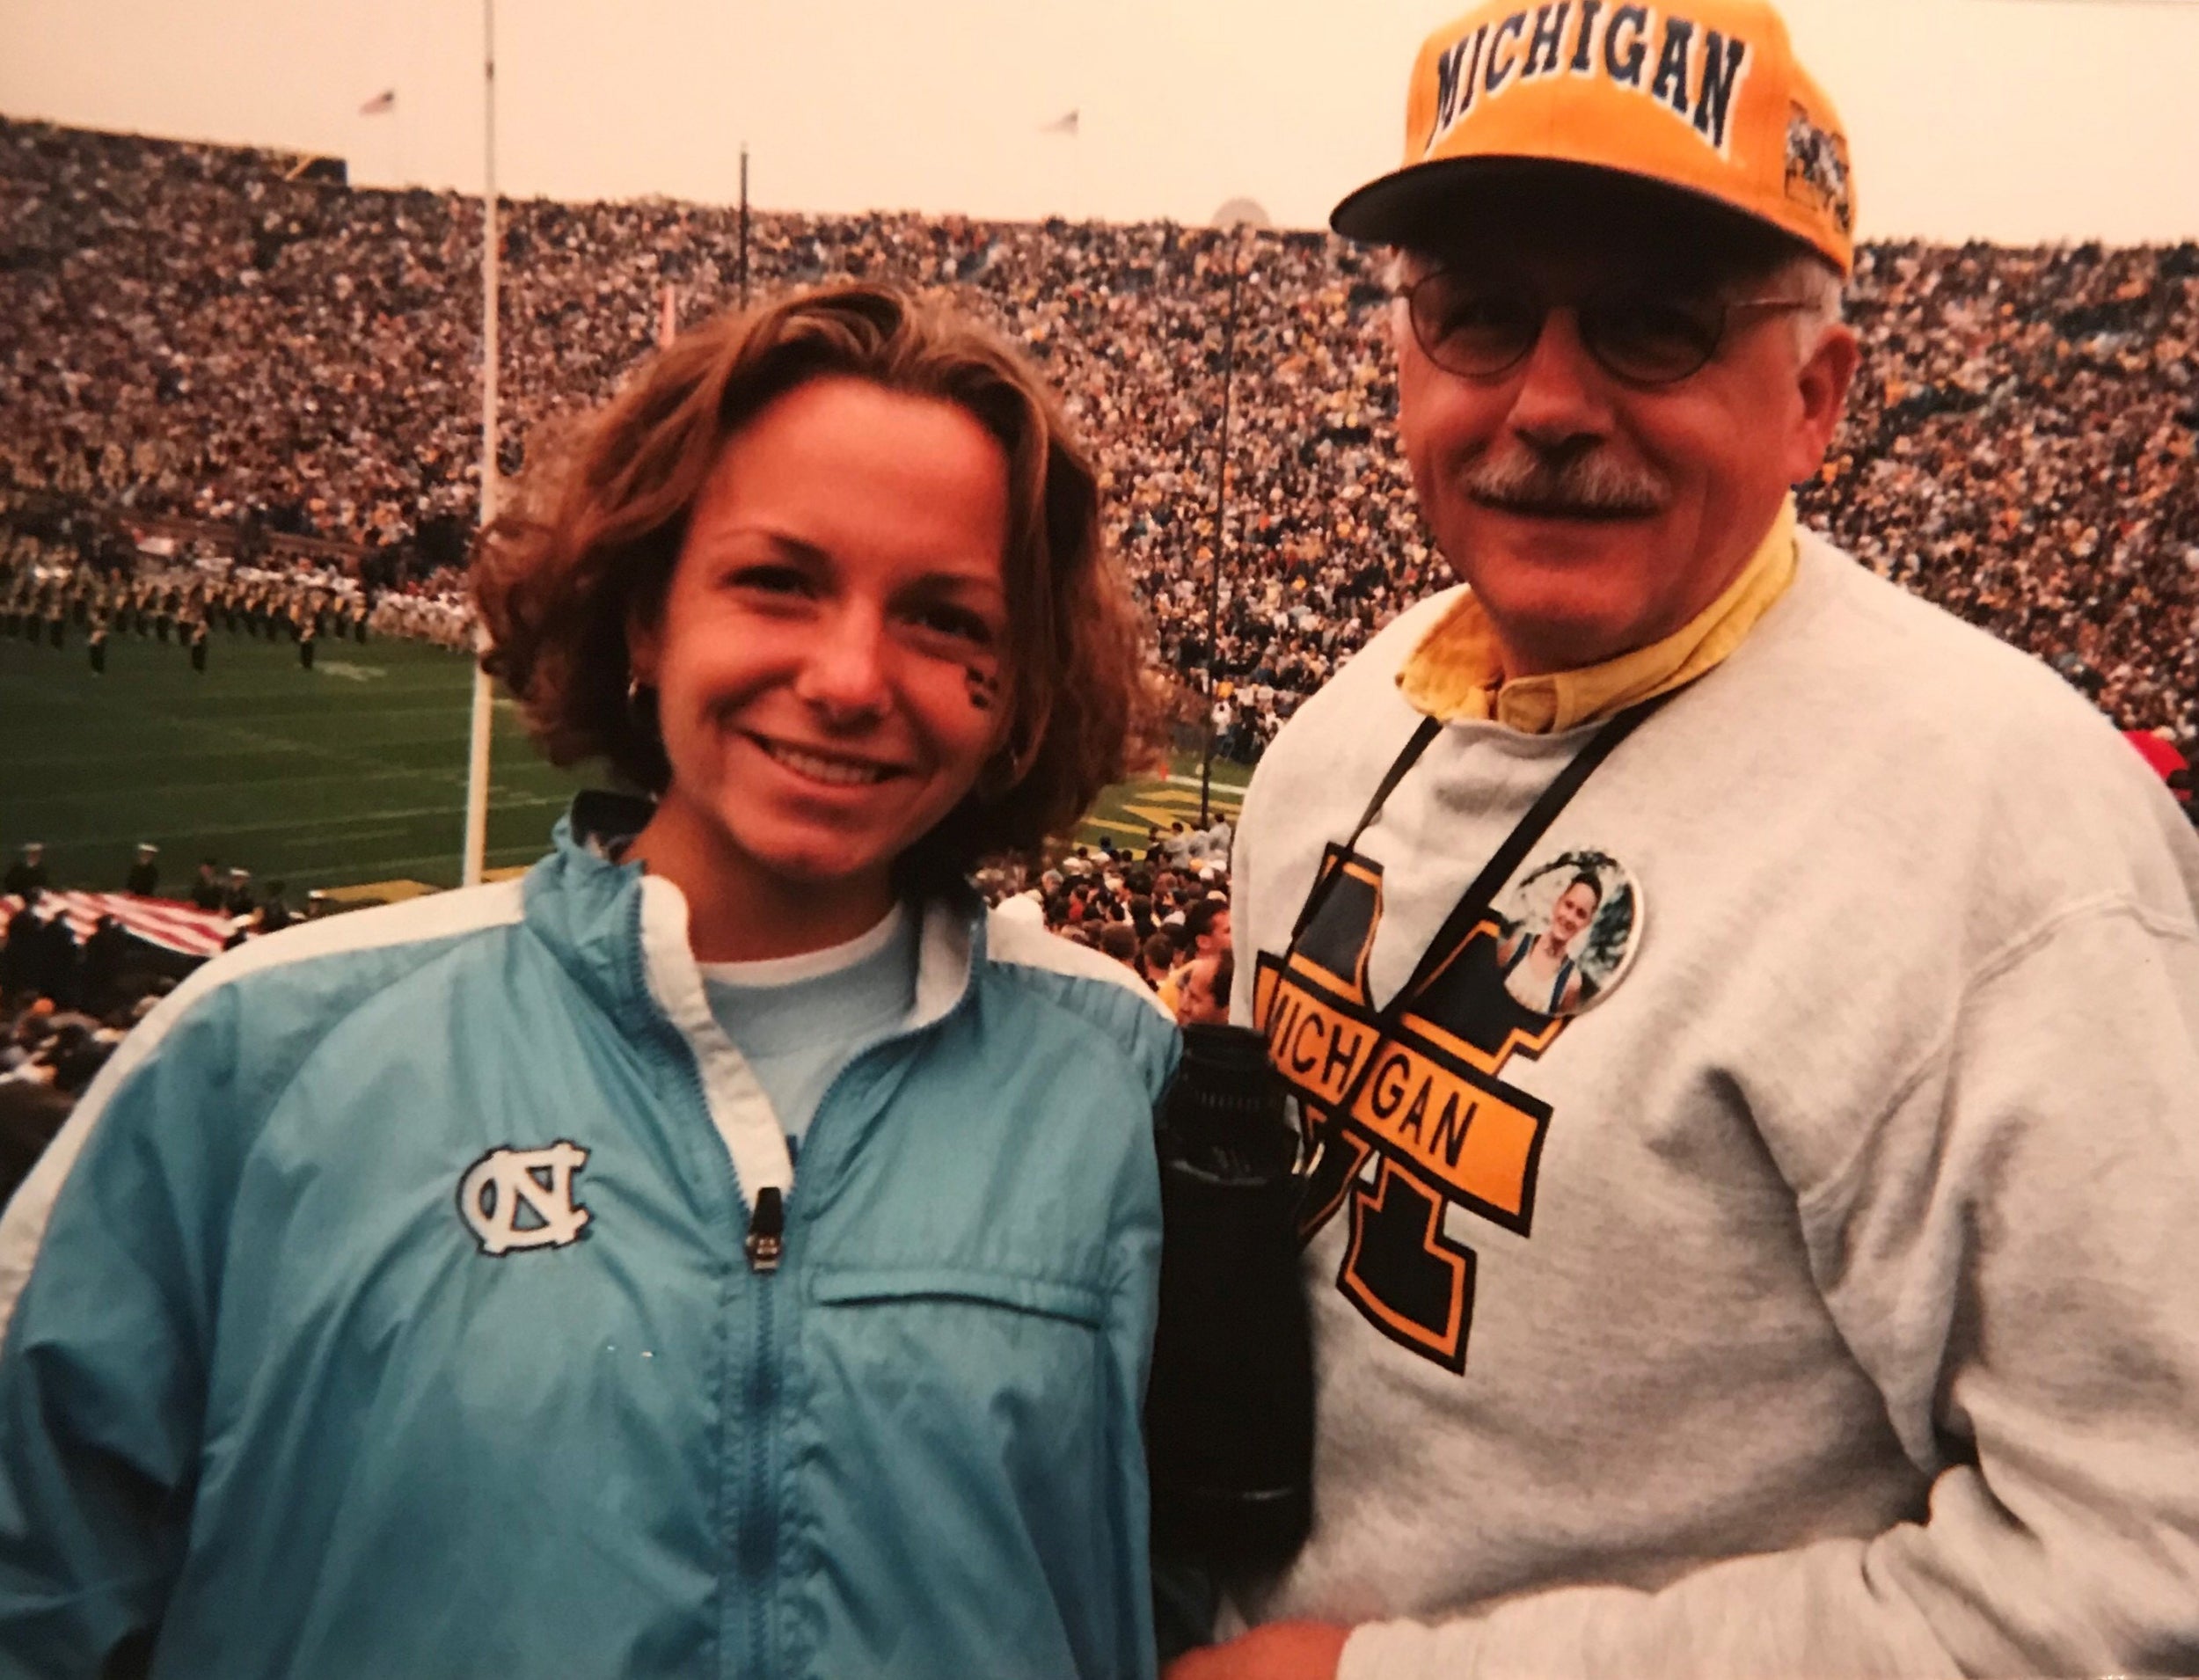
column 1392, row 208
column 1426, row 204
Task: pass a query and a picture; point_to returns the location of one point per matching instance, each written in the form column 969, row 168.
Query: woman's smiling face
column 1575, row 909
column 829, row 658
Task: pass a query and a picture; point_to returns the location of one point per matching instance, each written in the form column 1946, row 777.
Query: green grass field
column 348, row 774
column 1128, row 811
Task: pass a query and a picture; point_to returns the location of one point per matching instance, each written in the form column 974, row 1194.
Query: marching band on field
column 44, row 597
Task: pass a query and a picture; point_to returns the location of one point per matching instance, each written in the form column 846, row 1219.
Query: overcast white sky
column 2010, row 119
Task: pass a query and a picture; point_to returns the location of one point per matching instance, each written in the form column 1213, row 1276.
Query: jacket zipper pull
column 767, row 1230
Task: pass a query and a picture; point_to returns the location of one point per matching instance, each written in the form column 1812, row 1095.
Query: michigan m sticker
column 1431, row 1123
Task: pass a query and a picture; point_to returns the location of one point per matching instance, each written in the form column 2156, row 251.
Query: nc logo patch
column 522, row 1198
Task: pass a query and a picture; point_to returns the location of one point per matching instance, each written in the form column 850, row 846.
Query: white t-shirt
column 800, row 1020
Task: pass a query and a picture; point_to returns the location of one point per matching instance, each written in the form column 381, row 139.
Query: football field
column 349, row 775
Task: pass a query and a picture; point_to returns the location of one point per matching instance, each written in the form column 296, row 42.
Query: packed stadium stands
column 184, row 332
column 281, row 373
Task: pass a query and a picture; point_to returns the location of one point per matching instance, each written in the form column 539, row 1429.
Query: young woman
column 1540, row 969
column 434, row 1291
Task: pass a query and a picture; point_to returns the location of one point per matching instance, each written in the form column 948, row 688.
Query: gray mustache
column 1591, row 483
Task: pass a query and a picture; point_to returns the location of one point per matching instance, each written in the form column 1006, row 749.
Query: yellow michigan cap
column 1705, row 96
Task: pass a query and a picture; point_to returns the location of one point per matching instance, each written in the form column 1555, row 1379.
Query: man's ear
column 1823, row 383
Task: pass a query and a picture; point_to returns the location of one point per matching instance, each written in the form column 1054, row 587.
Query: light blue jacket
column 395, row 1304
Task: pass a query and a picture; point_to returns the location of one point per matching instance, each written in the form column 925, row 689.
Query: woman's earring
column 641, row 706
column 998, row 776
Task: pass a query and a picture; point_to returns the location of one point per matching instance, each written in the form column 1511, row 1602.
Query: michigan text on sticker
column 1468, row 1138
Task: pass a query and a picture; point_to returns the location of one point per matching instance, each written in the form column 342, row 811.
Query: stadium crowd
column 184, row 331
column 76, row 973
column 64, row 1005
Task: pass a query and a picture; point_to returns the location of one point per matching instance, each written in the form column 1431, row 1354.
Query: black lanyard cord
column 1422, row 738
column 1477, row 899
column 1531, row 828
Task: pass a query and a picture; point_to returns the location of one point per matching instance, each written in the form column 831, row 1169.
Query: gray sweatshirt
column 1823, row 1299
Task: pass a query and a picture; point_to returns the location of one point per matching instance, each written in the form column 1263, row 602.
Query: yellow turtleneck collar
column 1456, row 673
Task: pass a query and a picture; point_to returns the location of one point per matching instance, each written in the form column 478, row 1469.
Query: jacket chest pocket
column 971, row 1409
column 971, row 1476
column 947, row 1348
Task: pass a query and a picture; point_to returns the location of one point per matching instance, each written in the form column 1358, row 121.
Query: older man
column 1791, row 1270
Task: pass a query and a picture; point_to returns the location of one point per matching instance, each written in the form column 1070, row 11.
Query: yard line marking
column 381, row 869
column 296, row 825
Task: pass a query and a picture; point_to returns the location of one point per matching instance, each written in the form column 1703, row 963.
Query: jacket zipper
column 757, row 1529
column 764, row 1245
column 759, row 1519
column 767, row 1230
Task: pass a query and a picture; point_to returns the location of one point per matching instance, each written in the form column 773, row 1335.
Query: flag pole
column 1221, row 524
column 483, row 700
column 1232, row 219
column 744, row 225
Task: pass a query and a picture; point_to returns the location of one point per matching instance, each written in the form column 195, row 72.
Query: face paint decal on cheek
column 984, row 687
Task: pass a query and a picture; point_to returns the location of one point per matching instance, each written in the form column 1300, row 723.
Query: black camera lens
column 1230, row 1411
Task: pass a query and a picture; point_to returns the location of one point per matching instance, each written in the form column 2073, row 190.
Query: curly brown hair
column 588, row 546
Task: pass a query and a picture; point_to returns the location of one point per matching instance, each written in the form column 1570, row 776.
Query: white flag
column 1064, row 125
column 385, row 100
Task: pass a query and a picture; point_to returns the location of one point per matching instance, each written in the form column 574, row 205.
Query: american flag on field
column 164, row 922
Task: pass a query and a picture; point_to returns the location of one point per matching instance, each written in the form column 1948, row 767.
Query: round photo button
column 1571, row 925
